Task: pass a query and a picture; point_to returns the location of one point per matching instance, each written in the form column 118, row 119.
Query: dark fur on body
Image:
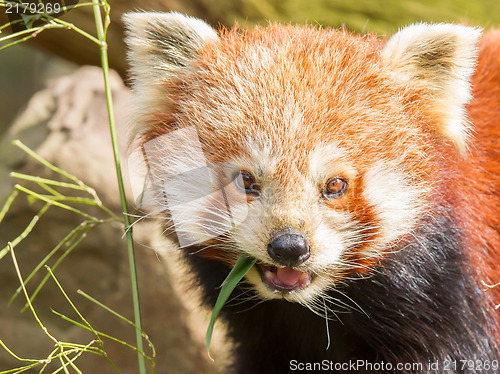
column 421, row 306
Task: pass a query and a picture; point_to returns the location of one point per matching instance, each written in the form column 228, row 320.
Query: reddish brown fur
column 479, row 184
column 407, row 243
column 357, row 58
column 471, row 183
column 306, row 58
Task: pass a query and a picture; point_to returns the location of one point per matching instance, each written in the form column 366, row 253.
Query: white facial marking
column 330, row 245
column 394, row 199
column 325, row 159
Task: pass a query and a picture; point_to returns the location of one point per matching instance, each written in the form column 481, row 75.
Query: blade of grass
column 49, row 359
column 26, row 231
column 80, row 292
column 21, row 369
column 5, row 25
column 56, row 264
column 50, row 190
column 53, row 201
column 8, row 203
column 19, row 276
column 116, row 314
column 29, row 32
column 45, row 163
column 101, row 35
column 37, row 179
column 33, row 34
column 100, row 333
column 77, row 29
column 84, row 200
column 63, row 365
column 79, row 351
column 89, row 326
column 242, row 266
column 67, row 239
column 2, row 344
column 34, row 155
column 56, row 196
column 71, row 303
column 63, row 349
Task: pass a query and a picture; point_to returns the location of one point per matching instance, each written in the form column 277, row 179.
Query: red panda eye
column 245, row 181
column 335, row 187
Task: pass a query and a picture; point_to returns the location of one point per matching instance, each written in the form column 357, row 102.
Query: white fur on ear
column 162, row 44
column 440, row 57
column 162, row 47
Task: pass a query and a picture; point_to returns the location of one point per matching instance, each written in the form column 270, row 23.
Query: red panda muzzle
column 284, row 279
column 289, row 248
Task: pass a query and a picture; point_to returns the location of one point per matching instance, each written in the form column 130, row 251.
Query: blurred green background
column 382, row 16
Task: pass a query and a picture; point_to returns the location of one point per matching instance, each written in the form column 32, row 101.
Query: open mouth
column 284, row 279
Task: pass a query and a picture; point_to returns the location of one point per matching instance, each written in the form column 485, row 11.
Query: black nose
column 289, row 249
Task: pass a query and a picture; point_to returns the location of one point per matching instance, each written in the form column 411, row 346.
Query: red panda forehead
column 294, row 58
column 294, row 89
column 291, row 79
column 293, row 41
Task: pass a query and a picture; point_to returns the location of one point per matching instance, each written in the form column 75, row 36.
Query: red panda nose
column 289, row 249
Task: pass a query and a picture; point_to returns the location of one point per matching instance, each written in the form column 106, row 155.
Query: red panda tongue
column 288, row 276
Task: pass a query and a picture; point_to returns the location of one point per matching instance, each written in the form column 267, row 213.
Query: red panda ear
column 163, row 44
column 440, row 58
column 161, row 48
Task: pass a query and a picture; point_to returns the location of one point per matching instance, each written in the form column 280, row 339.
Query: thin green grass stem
column 53, row 201
column 101, row 35
column 134, row 348
column 21, row 369
column 30, row 36
column 52, row 182
column 68, row 239
column 4, row 26
column 56, row 264
column 68, row 353
column 26, row 231
column 57, row 196
column 80, row 292
column 2, row 344
column 78, row 30
column 88, row 325
column 45, row 163
column 19, row 276
column 8, row 202
column 50, row 190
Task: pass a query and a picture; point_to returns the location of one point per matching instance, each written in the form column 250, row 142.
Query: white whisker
column 327, row 326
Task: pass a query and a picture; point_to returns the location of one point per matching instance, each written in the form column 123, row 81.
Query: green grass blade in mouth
column 239, row 270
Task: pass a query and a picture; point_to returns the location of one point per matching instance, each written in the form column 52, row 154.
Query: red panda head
column 313, row 151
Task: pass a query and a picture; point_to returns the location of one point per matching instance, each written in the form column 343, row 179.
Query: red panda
column 361, row 175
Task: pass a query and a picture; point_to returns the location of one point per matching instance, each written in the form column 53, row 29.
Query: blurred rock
column 67, row 124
